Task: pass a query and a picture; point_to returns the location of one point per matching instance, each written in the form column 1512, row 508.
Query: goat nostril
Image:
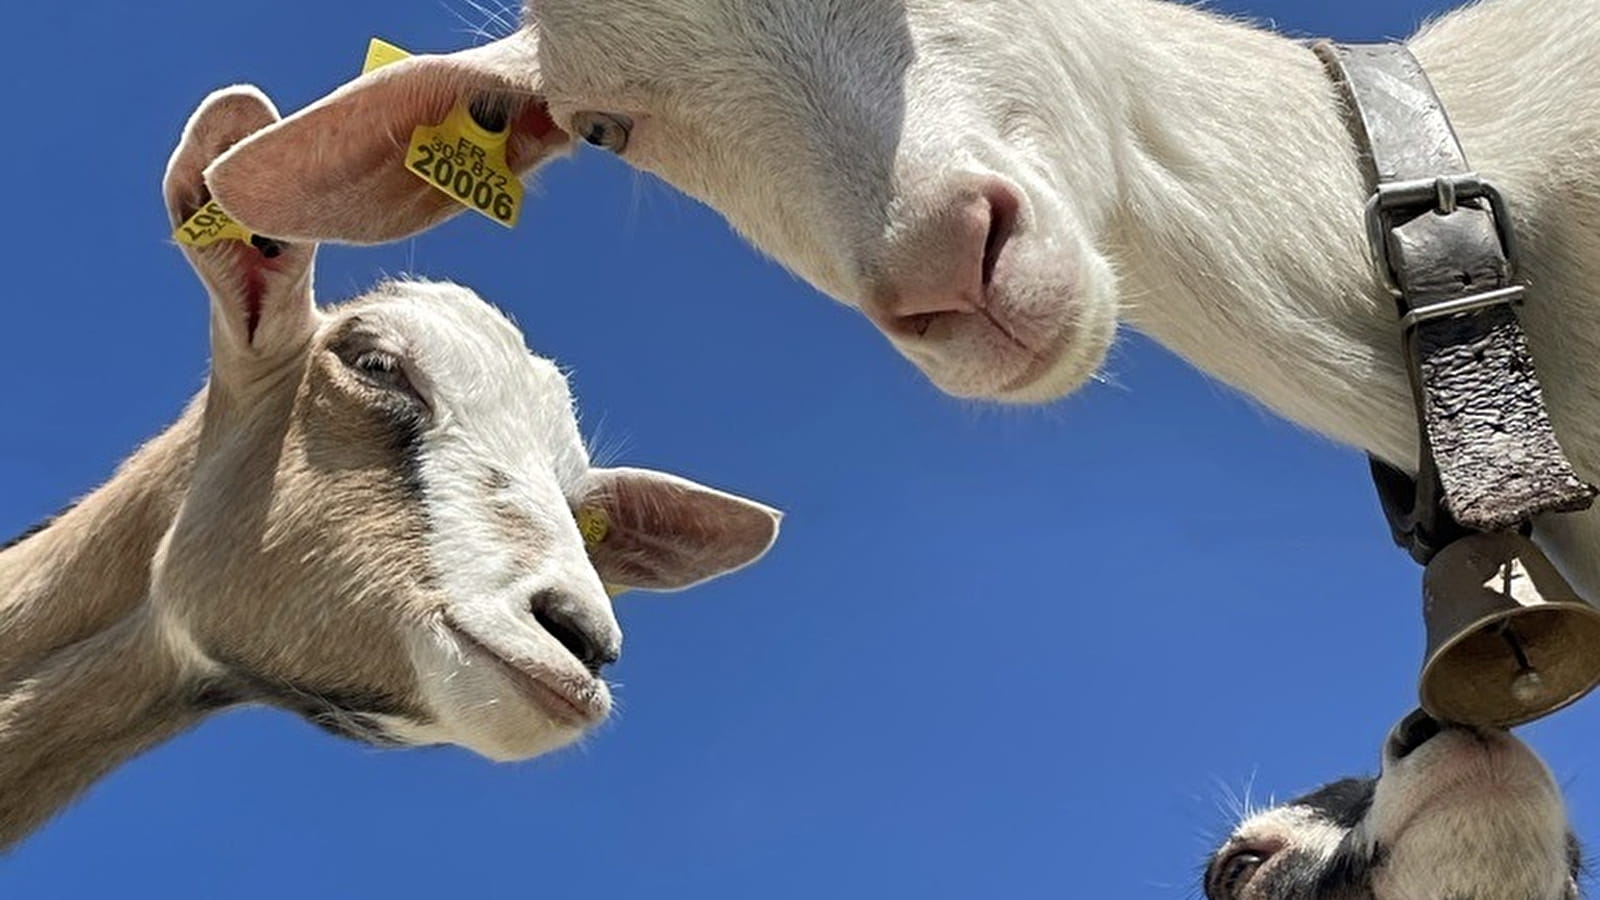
column 1003, row 208
column 926, row 284
column 1412, row 732
column 552, row 615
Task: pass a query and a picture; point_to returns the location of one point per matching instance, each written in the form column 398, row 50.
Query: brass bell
column 1509, row 640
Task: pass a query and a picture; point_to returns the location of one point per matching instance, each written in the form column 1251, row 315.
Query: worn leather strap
column 1442, row 237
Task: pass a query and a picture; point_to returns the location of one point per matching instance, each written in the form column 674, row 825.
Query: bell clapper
column 1527, row 686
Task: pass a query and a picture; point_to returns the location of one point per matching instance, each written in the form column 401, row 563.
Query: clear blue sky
column 996, row 654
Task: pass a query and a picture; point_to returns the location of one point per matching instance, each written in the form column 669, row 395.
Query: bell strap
column 1442, row 240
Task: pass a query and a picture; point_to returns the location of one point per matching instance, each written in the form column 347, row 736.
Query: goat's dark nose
column 590, row 636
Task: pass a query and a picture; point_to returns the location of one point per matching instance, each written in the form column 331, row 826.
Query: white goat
column 996, row 183
column 367, row 517
column 1456, row 813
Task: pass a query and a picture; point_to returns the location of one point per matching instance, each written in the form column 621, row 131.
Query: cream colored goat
column 997, row 183
column 367, row 517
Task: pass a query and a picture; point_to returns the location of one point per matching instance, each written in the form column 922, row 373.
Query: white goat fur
column 1185, row 173
column 367, row 517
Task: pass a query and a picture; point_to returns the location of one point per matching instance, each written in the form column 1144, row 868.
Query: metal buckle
column 1442, row 195
column 1508, row 296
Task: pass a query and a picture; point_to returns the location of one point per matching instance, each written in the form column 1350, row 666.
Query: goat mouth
column 1040, row 363
column 572, row 705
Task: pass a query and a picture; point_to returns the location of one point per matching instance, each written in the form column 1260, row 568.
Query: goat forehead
column 816, row 127
column 596, row 45
column 748, row 96
column 486, row 386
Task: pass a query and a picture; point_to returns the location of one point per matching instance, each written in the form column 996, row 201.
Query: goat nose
column 1412, row 732
column 592, row 638
column 946, row 263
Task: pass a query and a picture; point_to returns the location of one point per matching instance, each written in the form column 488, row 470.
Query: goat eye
column 377, row 362
column 607, row 131
column 382, row 368
column 1235, row 874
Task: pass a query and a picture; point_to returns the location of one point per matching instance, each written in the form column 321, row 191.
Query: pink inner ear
column 254, row 288
column 251, row 267
column 532, row 134
column 535, row 121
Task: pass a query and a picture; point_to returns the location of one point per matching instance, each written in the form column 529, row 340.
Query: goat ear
column 261, row 306
column 659, row 532
column 335, row 171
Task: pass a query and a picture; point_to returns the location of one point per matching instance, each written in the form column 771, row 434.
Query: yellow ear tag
column 468, row 162
column 458, row 156
column 595, row 526
column 208, row 226
column 381, row 53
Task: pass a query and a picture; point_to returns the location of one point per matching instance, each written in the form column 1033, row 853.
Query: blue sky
column 996, row 653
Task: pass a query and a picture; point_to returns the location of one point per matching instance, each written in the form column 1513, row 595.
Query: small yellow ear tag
column 595, row 526
column 381, row 53
column 208, row 226
column 458, row 156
